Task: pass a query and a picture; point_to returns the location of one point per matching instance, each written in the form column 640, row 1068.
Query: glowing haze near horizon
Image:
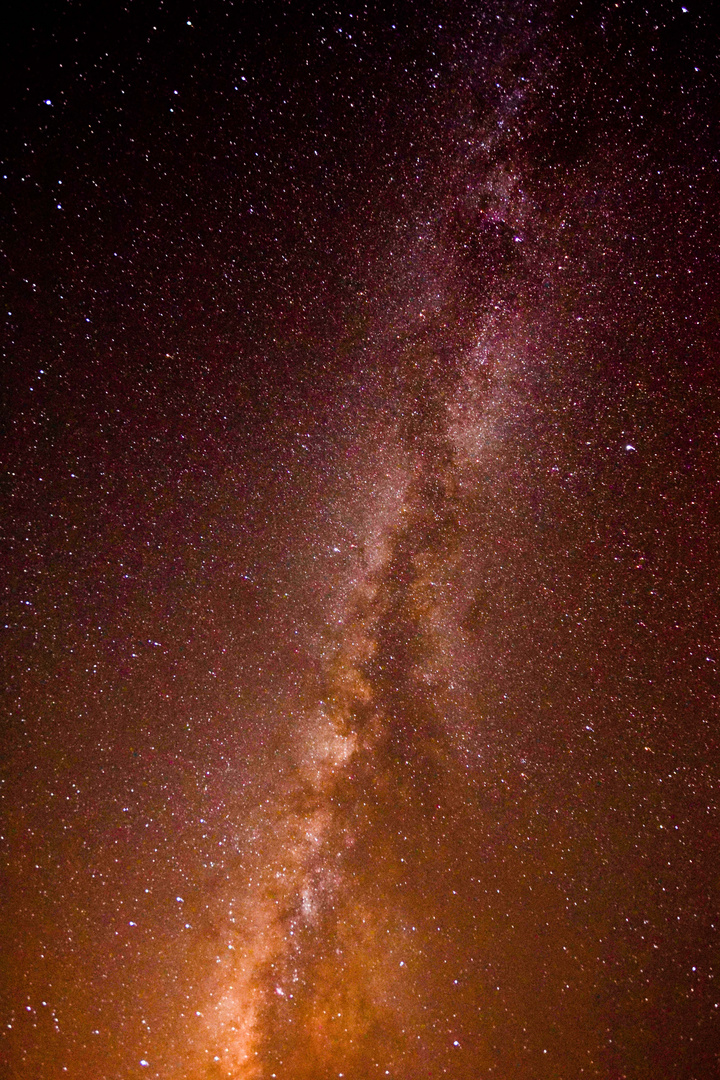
column 362, row 521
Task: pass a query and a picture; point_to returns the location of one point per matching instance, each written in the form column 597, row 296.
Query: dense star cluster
column 361, row 531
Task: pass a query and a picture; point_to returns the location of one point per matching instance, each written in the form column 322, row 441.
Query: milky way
column 362, row 533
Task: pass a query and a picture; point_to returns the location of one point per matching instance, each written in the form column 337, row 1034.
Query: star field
column 360, row 533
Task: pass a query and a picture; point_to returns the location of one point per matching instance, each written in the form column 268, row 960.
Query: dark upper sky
column 360, row 531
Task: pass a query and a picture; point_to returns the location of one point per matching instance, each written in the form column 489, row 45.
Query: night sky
column 361, row 426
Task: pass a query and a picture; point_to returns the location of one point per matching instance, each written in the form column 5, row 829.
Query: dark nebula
column 361, row 530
